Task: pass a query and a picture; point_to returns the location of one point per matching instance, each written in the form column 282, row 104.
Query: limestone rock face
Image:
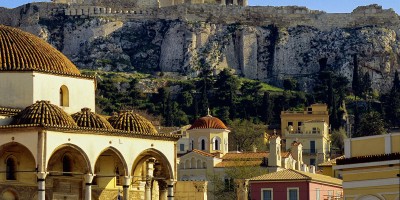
column 264, row 43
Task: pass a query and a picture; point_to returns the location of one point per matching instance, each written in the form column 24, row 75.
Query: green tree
column 245, row 134
column 337, row 138
column 289, row 84
column 366, row 86
column 356, row 79
column 227, row 86
column 371, row 123
column 391, row 103
column 266, row 108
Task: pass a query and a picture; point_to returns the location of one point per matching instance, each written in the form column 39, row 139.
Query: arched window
column 64, row 96
column 203, row 144
column 198, row 163
column 216, row 143
column 193, row 163
column 9, row 195
column 11, row 169
column 204, row 165
column 187, row 164
column 67, row 169
column 192, row 145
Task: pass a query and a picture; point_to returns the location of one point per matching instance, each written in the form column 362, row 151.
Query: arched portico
column 110, row 171
column 151, row 165
column 17, row 162
column 67, row 168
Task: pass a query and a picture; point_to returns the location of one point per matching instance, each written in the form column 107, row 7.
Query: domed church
column 54, row 146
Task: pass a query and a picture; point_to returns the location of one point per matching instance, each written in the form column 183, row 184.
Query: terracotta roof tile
column 239, row 163
column 290, row 174
column 86, row 118
column 202, row 153
column 208, row 122
column 9, row 111
column 22, row 51
column 129, row 121
column 43, row 112
column 330, row 162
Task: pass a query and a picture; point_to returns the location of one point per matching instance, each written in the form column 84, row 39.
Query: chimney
column 254, row 148
column 312, row 169
column 275, row 157
column 297, row 153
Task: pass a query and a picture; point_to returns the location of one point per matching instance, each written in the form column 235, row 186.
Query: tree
column 289, row 84
column 337, row 138
column 366, row 86
column 245, row 134
column 371, row 123
column 391, row 103
column 266, row 108
column 356, row 79
column 226, row 93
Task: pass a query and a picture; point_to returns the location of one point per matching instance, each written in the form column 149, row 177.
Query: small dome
column 43, row 113
column 129, row 121
column 22, row 51
column 89, row 119
column 208, row 122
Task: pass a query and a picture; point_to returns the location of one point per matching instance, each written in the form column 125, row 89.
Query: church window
column 192, row 145
column 64, row 96
column 11, row 169
column 181, row 147
column 203, row 144
column 193, row 163
column 216, row 143
column 67, row 169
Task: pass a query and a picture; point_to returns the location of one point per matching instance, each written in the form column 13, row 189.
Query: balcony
column 311, row 151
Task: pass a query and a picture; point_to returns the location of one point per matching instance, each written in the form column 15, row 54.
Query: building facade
column 311, row 128
column 371, row 168
column 53, row 146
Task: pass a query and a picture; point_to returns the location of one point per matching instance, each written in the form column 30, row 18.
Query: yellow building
column 53, row 146
column 327, row 168
column 311, row 128
column 371, row 168
column 204, row 154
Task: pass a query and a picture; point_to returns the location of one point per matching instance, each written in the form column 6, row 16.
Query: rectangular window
column 266, row 194
column 181, row 147
column 293, row 193
column 317, row 194
column 312, row 161
column 312, row 147
column 290, row 124
column 330, row 195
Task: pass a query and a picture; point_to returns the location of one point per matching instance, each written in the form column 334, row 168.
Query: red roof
column 208, row 122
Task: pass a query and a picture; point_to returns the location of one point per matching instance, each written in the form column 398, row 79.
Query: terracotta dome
column 208, row 122
column 89, row 119
column 129, row 121
column 43, row 113
column 22, row 51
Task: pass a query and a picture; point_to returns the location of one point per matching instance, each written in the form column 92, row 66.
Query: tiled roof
column 245, row 156
column 290, row 174
column 208, row 122
column 44, row 113
column 129, row 121
column 330, row 162
column 239, row 163
column 370, row 158
column 22, row 51
column 86, row 118
column 9, row 111
column 202, row 153
column 95, row 131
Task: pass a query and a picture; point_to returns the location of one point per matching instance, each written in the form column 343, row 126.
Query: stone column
column 41, row 177
column 125, row 186
column 235, row 2
column 223, row 2
column 149, row 177
column 163, row 192
column 170, row 189
column 88, row 186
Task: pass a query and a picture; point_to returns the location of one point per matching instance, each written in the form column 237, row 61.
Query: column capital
column 171, row 181
column 89, row 178
column 41, row 175
column 126, row 180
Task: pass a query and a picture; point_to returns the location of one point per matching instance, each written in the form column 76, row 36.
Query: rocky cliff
column 265, row 43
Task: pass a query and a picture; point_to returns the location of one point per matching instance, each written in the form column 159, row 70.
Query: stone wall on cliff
column 264, row 43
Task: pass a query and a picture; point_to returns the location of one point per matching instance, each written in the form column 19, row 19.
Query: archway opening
column 64, row 96
column 11, row 168
column 109, row 170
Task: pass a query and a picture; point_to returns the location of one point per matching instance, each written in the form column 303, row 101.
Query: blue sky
column 330, row 6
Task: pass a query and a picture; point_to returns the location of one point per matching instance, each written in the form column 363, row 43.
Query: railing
column 306, row 112
column 311, row 151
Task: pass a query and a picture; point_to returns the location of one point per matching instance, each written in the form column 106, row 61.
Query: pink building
column 295, row 185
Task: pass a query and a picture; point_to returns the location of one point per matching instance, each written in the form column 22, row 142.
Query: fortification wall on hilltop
column 148, row 3
column 287, row 16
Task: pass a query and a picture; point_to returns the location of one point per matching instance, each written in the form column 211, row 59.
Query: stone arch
column 64, row 96
column 216, row 141
column 18, row 152
column 187, row 164
column 204, row 165
column 77, row 154
column 9, row 194
column 193, row 163
column 369, row 197
column 198, row 164
column 108, row 163
column 162, row 162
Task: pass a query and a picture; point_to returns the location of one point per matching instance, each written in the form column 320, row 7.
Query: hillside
column 263, row 43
